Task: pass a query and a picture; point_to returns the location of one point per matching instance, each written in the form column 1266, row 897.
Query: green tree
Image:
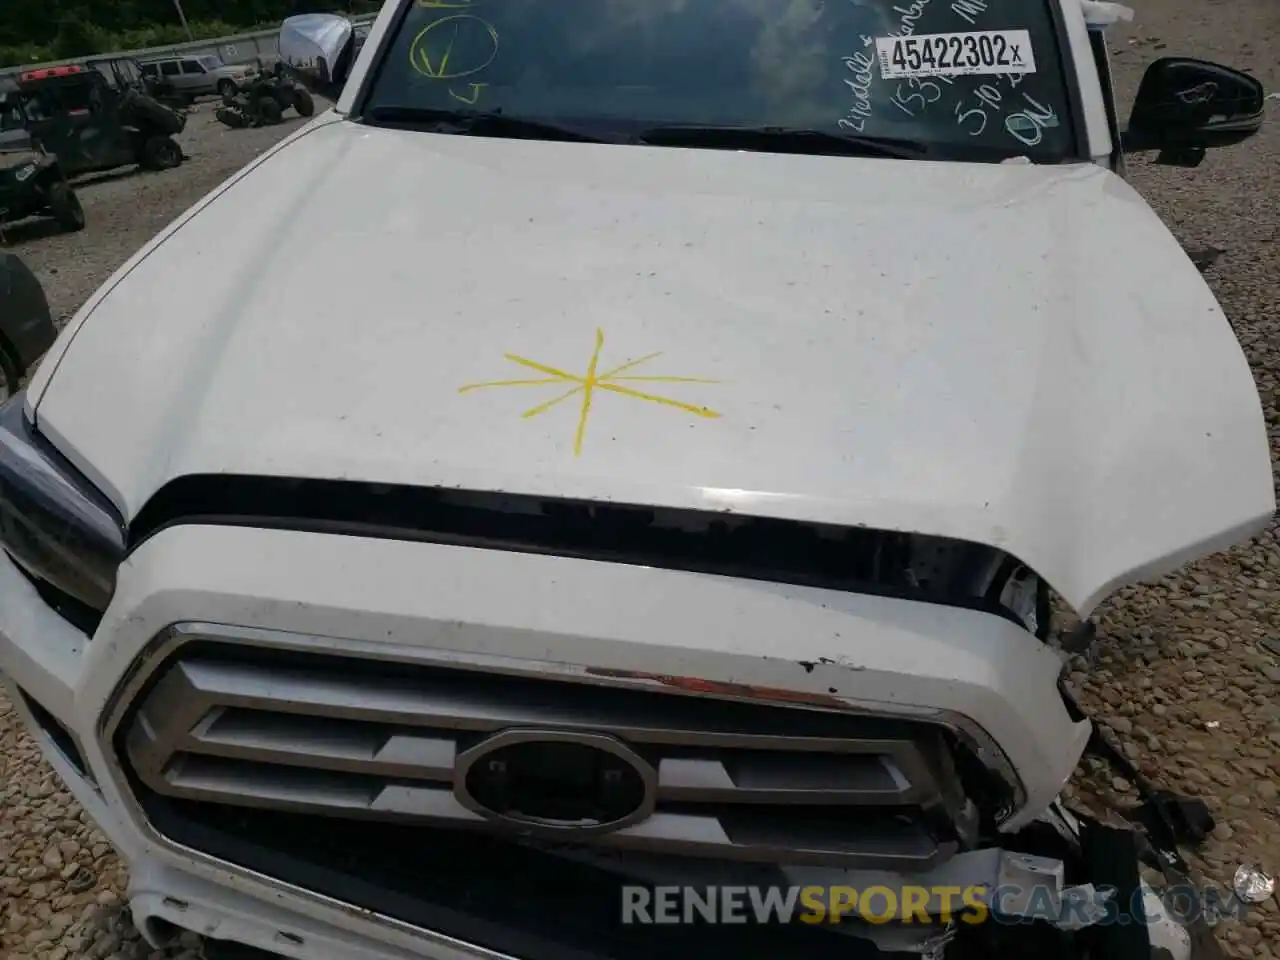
column 33, row 31
column 28, row 21
column 75, row 37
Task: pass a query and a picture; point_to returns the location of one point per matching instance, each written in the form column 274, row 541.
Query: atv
column 38, row 187
column 263, row 102
column 89, row 124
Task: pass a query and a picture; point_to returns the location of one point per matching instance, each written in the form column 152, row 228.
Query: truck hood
column 1016, row 355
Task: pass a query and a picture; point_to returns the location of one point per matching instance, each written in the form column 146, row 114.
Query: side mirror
column 25, row 321
column 1185, row 107
column 318, row 50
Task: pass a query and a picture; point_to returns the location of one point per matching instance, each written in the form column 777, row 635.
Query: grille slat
column 477, row 704
column 734, row 780
column 317, row 742
column 760, row 778
column 319, row 792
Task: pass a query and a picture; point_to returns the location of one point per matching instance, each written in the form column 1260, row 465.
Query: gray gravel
column 126, row 210
column 1177, row 675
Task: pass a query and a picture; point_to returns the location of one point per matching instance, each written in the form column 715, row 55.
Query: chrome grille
column 742, row 781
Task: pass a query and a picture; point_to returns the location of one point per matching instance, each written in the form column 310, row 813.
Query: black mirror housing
column 1185, row 107
column 26, row 322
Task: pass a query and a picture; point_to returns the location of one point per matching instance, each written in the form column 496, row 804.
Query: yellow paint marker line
column 475, row 94
column 610, row 380
column 444, row 60
column 425, row 63
column 602, row 383
column 544, row 407
column 543, row 368
column 659, row 380
column 508, row 383
column 629, row 365
column 586, row 394
column 654, row 398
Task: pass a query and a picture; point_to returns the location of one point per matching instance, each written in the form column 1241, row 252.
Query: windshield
column 210, row 63
column 969, row 79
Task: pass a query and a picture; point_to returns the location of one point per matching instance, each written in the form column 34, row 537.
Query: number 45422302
column 987, row 52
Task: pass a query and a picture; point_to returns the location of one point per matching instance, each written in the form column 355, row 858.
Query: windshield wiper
column 785, row 139
column 480, row 123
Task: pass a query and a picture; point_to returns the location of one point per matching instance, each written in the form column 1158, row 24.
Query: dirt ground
column 1178, row 675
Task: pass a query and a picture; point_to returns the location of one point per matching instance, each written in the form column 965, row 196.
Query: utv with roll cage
column 93, row 123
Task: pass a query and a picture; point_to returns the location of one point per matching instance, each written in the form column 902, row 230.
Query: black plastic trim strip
column 608, row 532
column 1071, row 79
column 63, row 739
column 1098, row 44
column 360, row 101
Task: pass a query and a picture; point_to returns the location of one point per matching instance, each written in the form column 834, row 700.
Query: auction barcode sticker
column 982, row 52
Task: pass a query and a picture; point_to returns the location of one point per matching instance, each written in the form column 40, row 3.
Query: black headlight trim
column 53, row 522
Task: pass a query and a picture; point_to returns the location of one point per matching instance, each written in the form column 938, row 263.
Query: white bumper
column 365, row 596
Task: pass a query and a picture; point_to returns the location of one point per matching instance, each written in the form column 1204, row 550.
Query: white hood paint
column 1016, row 355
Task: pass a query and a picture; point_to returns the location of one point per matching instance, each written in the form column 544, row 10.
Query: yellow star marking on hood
column 611, row 381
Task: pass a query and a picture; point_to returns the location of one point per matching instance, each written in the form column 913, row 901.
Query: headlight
column 52, row 520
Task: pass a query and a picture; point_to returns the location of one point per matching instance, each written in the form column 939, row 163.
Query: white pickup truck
column 628, row 444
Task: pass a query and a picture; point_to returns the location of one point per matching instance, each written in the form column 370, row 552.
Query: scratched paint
column 586, row 385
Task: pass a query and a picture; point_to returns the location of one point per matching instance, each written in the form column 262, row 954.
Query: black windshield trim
column 818, row 142
column 360, row 105
column 1071, row 80
column 480, row 123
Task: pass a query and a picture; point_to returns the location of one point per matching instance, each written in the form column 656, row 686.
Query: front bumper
column 389, row 598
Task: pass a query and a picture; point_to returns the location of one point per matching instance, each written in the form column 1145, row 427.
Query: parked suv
column 200, row 76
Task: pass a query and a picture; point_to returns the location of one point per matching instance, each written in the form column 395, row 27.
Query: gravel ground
column 124, row 211
column 1177, row 675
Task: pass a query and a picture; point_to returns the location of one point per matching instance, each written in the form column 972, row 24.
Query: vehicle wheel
column 145, row 112
column 303, row 103
column 230, row 116
column 269, row 111
column 65, row 207
column 161, row 153
column 9, row 377
column 226, row 88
